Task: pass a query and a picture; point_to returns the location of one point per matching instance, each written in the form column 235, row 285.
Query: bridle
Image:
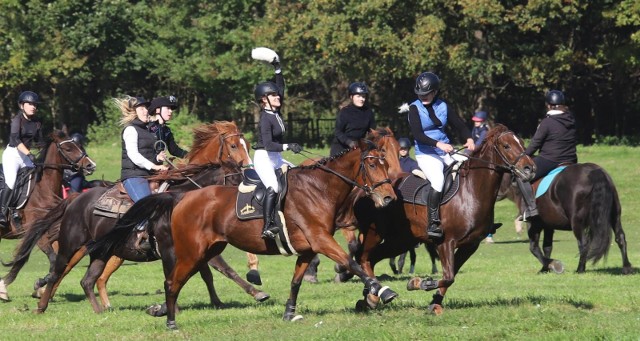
column 71, row 163
column 507, row 165
column 223, row 145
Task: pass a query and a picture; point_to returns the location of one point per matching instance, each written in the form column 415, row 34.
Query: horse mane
column 492, row 135
column 182, row 173
column 379, row 132
column 204, row 133
column 369, row 145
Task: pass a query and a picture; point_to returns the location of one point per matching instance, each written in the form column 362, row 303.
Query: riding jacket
column 352, row 124
column 163, row 133
column 138, row 164
column 555, row 137
column 428, row 124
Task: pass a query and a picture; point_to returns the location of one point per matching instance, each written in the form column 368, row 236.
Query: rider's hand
column 352, row 144
column 447, row 148
column 294, row 147
column 159, row 168
column 161, row 156
column 32, row 158
column 470, row 145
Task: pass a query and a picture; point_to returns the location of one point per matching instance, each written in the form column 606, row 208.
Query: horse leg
column 253, row 276
column 298, row 274
column 61, row 269
column 88, row 282
column 433, row 254
column 311, row 274
column 48, row 249
column 412, row 259
column 207, row 277
column 392, row 265
column 401, row 260
column 182, row 272
column 112, row 265
column 547, row 242
column 221, row 266
column 622, row 244
column 534, row 247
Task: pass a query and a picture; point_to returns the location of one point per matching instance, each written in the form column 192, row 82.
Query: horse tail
column 32, row 236
column 154, row 209
column 600, row 215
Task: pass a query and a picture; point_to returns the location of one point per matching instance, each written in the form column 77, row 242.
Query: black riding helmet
column 77, row 138
column 426, row 83
column 28, row 97
column 263, row 89
column 404, row 143
column 554, row 97
column 358, row 88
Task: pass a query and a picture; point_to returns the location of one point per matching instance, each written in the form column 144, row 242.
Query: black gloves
column 32, row 158
column 294, row 147
column 352, row 144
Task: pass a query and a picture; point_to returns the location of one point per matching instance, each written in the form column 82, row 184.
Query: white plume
column 403, row 108
column 265, row 54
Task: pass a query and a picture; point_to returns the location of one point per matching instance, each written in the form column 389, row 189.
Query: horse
column 466, row 217
column 58, row 153
column 204, row 221
column 79, row 225
column 581, row 198
column 433, row 255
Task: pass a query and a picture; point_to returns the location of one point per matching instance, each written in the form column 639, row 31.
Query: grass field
column 497, row 295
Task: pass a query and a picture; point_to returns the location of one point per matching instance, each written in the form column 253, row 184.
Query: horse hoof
column 435, row 309
column 387, row 295
column 253, row 276
column 361, row 306
column 372, row 301
column 4, row 297
column 157, row 310
column 297, row 318
column 38, row 311
column 310, row 278
column 172, row 325
column 261, row 296
column 414, row 283
column 556, row 266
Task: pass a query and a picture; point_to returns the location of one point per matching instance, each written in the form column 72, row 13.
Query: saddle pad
column 247, row 207
column 547, row 180
column 112, row 204
column 410, row 189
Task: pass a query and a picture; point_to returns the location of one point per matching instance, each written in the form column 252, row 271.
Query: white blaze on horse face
column 244, row 145
column 517, row 140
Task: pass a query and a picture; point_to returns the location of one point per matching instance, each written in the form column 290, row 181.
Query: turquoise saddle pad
column 547, row 180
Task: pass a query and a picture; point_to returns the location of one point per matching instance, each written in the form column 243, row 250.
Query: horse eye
column 372, row 165
column 507, row 146
column 234, row 146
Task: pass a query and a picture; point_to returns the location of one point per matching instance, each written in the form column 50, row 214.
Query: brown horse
column 582, row 198
column 75, row 232
column 204, row 221
column 60, row 152
column 466, row 218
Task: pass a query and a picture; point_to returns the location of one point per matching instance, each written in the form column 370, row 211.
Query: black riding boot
column 433, row 205
column 4, row 205
column 270, row 229
column 531, row 210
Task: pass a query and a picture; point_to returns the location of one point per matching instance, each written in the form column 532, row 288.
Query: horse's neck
column 209, row 154
column 339, row 188
column 482, row 180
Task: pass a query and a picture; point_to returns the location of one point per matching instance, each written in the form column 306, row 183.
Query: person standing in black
column 354, row 120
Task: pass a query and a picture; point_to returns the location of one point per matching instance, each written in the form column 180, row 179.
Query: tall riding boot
column 270, row 229
column 4, row 205
column 433, row 205
column 531, row 209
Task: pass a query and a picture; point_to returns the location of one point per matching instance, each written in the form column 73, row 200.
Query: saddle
column 25, row 183
column 411, row 188
column 113, row 203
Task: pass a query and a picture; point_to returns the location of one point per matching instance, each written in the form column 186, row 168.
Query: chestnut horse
column 60, row 152
column 204, row 221
column 466, row 218
column 209, row 141
column 582, row 198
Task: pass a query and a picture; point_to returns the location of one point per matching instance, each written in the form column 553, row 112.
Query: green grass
column 497, row 295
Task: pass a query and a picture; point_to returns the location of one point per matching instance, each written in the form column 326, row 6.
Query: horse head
column 219, row 142
column 68, row 152
column 372, row 174
column 387, row 143
column 504, row 149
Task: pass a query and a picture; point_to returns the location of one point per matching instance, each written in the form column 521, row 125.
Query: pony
column 59, row 152
column 582, row 198
column 466, row 218
column 204, row 221
column 78, row 224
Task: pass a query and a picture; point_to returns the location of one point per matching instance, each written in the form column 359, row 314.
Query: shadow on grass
column 613, row 271
column 205, row 306
column 500, row 302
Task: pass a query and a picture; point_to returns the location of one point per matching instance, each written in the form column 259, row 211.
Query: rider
column 75, row 178
column 480, row 127
column 555, row 138
column 26, row 129
column 428, row 117
column 267, row 157
column 354, row 120
column 406, row 162
column 161, row 111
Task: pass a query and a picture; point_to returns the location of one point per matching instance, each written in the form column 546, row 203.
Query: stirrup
column 142, row 243
column 434, row 231
column 270, row 232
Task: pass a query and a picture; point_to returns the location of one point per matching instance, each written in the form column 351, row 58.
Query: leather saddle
column 410, row 188
column 251, row 192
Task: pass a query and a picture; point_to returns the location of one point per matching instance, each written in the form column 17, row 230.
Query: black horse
column 583, row 199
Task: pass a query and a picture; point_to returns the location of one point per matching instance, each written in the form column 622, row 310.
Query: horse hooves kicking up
column 556, row 266
column 253, row 276
column 261, row 296
column 436, row 309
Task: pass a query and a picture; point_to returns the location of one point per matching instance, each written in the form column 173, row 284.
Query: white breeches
column 265, row 164
column 12, row 161
column 433, row 167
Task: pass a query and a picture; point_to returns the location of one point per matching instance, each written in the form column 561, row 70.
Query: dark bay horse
column 583, row 199
column 78, row 224
column 59, row 152
column 466, row 218
column 204, row 221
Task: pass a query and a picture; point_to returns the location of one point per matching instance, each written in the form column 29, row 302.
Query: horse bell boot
column 270, row 229
column 4, row 205
column 531, row 210
column 433, row 205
